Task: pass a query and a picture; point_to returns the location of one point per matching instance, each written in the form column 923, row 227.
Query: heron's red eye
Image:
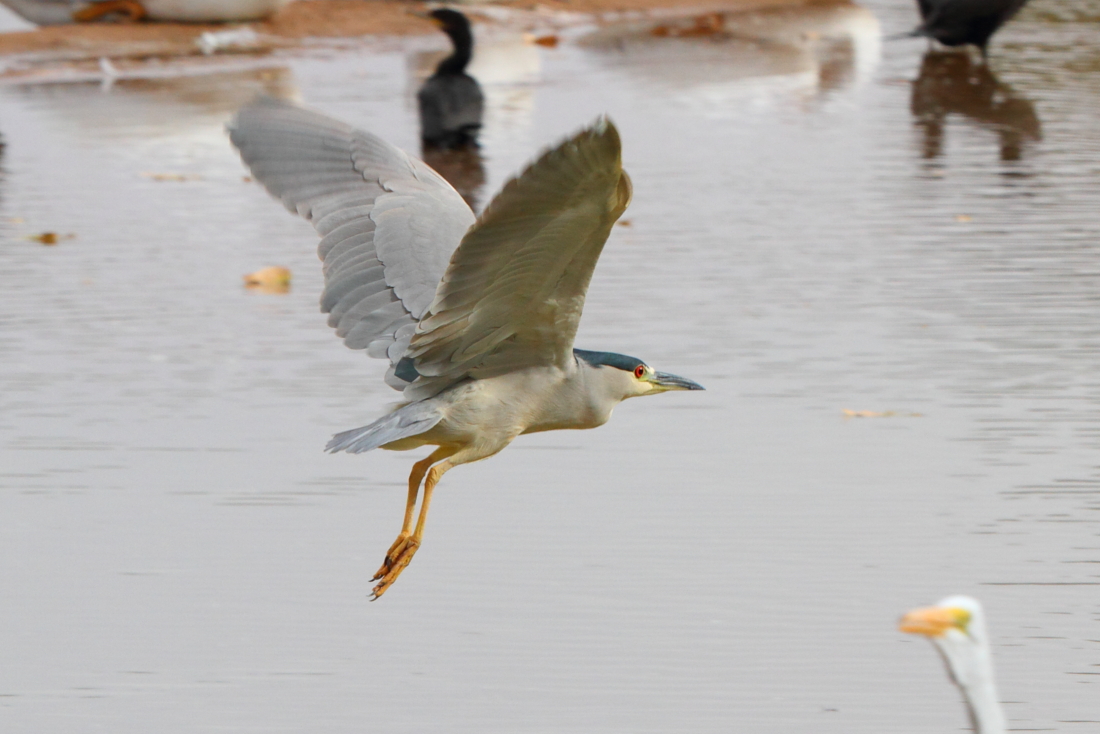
column 639, row 371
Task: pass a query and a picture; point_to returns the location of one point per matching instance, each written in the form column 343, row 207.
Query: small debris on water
column 878, row 414
column 273, row 279
column 708, row 24
column 171, row 176
column 962, row 217
column 237, row 39
column 549, row 40
column 50, row 238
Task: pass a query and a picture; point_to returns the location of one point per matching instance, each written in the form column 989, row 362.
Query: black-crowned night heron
column 956, row 626
column 480, row 338
column 963, row 22
column 450, row 100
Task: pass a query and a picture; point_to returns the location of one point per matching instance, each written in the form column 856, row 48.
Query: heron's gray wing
column 388, row 222
column 513, row 293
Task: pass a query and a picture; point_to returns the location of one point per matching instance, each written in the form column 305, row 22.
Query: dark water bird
column 964, row 22
column 477, row 317
column 953, row 84
column 956, row 626
column 450, row 100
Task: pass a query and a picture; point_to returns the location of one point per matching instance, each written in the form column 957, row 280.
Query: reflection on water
column 462, row 167
column 954, row 83
column 155, row 104
column 822, row 47
column 178, row 554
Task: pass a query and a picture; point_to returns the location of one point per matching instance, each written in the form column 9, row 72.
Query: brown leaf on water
column 171, row 176
column 625, row 223
column 50, row 238
column 549, row 40
column 273, row 279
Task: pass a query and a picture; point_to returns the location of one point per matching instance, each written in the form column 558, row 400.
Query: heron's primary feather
column 389, row 222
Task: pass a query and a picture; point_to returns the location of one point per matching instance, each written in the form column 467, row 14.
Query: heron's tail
column 408, row 420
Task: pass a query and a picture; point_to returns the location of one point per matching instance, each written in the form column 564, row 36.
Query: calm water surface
column 817, row 226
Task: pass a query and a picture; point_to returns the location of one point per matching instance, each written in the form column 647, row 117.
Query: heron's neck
column 985, row 709
column 971, row 666
column 456, row 63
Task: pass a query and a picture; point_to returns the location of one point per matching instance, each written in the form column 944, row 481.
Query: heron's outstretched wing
column 513, row 292
column 389, row 223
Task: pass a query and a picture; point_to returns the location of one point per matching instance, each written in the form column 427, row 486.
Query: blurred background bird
column 450, row 101
column 480, row 338
column 964, row 22
column 956, row 626
column 56, row 12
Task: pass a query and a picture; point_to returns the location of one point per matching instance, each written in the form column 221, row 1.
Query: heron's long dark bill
column 674, row 382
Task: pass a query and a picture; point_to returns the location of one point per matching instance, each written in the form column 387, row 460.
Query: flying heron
column 476, row 316
column 956, row 626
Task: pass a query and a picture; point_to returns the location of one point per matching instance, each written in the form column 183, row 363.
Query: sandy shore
column 310, row 19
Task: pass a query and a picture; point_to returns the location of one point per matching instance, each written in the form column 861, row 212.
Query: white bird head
column 956, row 626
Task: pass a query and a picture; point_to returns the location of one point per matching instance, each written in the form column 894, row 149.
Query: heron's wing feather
column 514, row 290
column 389, row 223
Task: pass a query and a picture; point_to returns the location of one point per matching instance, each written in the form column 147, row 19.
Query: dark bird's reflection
column 951, row 83
column 462, row 167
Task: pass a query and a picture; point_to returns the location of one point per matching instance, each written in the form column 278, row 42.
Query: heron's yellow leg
column 404, row 554
column 416, row 476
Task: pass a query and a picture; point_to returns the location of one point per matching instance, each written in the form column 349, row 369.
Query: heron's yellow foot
column 398, row 557
column 391, row 554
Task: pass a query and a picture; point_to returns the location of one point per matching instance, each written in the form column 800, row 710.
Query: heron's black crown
column 610, row 359
column 406, row 368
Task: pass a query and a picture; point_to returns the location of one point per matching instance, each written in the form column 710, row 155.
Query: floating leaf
column 171, row 176
column 273, row 279
column 878, row 414
column 50, row 238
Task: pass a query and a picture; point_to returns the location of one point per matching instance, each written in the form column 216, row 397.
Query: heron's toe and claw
column 398, row 557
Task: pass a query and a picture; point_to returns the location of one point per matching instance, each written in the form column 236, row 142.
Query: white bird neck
column 985, row 709
column 971, row 667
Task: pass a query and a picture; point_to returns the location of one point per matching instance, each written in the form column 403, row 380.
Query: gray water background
column 177, row 554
